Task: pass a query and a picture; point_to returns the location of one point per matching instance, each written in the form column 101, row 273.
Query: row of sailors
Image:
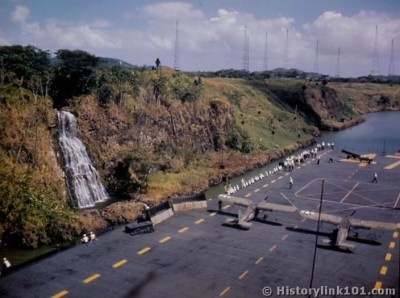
column 229, row 189
column 288, row 165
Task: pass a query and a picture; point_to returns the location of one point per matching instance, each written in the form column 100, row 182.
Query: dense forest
column 149, row 132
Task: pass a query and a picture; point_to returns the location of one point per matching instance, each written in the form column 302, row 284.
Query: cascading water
column 82, row 178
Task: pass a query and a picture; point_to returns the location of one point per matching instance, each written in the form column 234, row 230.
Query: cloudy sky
column 211, row 32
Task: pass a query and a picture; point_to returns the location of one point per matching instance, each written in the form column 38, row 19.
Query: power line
column 176, row 57
column 285, row 51
column 375, row 56
column 316, row 58
column 266, row 52
column 246, row 50
column 391, row 61
column 337, row 69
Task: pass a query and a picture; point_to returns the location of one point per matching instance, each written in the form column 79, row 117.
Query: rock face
column 114, row 214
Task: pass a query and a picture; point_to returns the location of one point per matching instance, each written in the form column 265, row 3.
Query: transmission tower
column 391, row 61
column 337, row 69
column 375, row 56
column 176, row 58
column 316, row 58
column 266, row 52
column 285, row 51
column 246, row 50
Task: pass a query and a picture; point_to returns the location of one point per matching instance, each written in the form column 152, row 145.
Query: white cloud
column 20, row 14
column 173, row 11
column 100, row 24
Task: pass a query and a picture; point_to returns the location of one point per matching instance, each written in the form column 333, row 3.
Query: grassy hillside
column 155, row 134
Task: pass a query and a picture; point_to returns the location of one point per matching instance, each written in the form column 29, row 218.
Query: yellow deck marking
column 398, row 225
column 247, row 195
column 119, row 264
column 273, row 181
column 284, row 237
column 378, row 285
column 226, row 207
column 91, row 278
column 393, row 156
column 241, row 276
column 383, row 270
column 144, row 250
column 398, row 198
column 259, row 260
column 183, row 230
column 392, row 245
column 265, row 185
column 349, row 193
column 388, row 256
column 280, row 177
column 257, row 190
column 395, row 234
column 199, row 221
column 286, row 174
column 392, row 165
column 165, row 239
column 224, row 291
column 213, row 214
column 272, row 248
column 60, row 294
column 349, row 160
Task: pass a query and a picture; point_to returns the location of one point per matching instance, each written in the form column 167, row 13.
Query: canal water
column 380, row 134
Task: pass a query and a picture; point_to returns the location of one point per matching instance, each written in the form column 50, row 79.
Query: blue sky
column 211, row 32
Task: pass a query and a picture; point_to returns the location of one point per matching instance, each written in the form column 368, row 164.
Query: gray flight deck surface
column 193, row 254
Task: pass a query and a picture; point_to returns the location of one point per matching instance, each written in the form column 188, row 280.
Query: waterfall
column 83, row 181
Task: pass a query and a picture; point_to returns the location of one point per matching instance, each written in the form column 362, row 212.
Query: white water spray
column 83, row 180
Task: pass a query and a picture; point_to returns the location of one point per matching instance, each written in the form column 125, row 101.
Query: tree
column 73, row 75
column 27, row 64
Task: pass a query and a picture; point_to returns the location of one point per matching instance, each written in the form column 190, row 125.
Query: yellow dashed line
column 272, row 248
column 395, row 234
column 241, row 276
column 259, row 260
column 280, row 177
column 165, row 239
column 224, row 291
column 393, row 165
column 392, row 244
column 183, row 230
column 144, row 250
column 199, row 221
column 226, row 207
column 247, row 195
column 257, row 190
column 383, row 270
column 91, row 278
column 119, row 264
column 60, row 294
column 286, row 174
column 265, row 185
column 378, row 285
column 349, row 193
column 388, row 256
column 273, row 181
column 213, row 214
column 284, row 237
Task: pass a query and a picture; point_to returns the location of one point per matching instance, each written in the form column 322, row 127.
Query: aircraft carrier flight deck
column 195, row 254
